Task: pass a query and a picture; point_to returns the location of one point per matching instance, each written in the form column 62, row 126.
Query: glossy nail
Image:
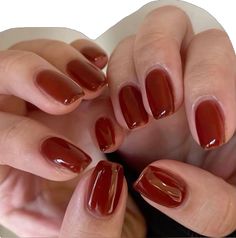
column 209, row 124
column 86, row 74
column 105, row 133
column 95, row 55
column 61, row 88
column 161, row 186
column 64, row 154
column 105, row 188
column 159, row 93
column 132, row 107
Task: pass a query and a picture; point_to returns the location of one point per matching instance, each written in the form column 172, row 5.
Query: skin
column 174, row 141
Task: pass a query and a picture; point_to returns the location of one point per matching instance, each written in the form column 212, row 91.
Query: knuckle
column 14, row 131
column 156, row 41
column 214, row 33
column 206, row 73
column 52, row 45
column 129, row 40
column 118, row 60
column 10, row 59
column 168, row 10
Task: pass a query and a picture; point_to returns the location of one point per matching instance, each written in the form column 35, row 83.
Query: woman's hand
column 42, row 74
column 98, row 206
column 173, row 93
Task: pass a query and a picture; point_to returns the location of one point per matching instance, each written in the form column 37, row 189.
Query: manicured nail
column 159, row 93
column 105, row 188
column 105, row 133
column 161, row 186
column 64, row 154
column 61, row 88
column 86, row 75
column 132, row 107
column 209, row 124
column 95, row 55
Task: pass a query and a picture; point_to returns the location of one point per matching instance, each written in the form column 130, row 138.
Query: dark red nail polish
column 105, row 133
column 61, row 88
column 132, row 107
column 159, row 93
column 86, row 75
column 95, row 55
column 209, row 124
column 161, row 186
column 64, row 154
column 105, row 188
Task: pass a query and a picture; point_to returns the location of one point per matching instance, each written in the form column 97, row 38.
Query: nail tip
column 161, row 115
column 73, row 99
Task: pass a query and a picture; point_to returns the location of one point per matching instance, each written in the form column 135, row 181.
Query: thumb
column 192, row 196
column 97, row 207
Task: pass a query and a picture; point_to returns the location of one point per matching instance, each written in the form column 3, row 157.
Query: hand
column 38, row 74
column 98, row 205
column 187, row 83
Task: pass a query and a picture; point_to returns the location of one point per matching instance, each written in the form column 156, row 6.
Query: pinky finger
column 105, row 132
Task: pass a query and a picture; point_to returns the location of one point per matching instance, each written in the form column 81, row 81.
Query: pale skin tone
column 205, row 70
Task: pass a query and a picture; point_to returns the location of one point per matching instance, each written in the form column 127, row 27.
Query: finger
column 28, row 76
column 124, row 88
column 210, row 88
column 70, row 62
column 106, row 133
column 97, row 130
column 98, row 204
column 36, row 149
column 93, row 52
column 164, row 33
column 196, row 198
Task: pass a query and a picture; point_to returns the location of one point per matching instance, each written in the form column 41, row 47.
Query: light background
column 94, row 17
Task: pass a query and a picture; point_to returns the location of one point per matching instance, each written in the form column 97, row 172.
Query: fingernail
column 95, row 55
column 105, row 188
column 209, row 124
column 64, row 154
column 159, row 93
column 61, row 88
column 105, row 133
column 132, row 107
column 161, row 187
column 86, row 75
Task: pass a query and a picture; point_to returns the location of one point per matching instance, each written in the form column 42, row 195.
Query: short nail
column 209, row 124
column 61, row 88
column 86, row 75
column 159, row 93
column 95, row 55
column 161, row 187
column 64, row 154
column 132, row 107
column 105, row 188
column 105, row 133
